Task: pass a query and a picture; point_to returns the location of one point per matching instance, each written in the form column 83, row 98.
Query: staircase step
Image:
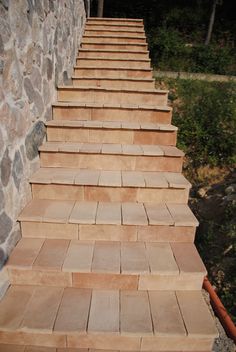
column 110, row 132
column 115, row 45
column 122, row 21
column 113, row 62
column 71, row 317
column 113, row 38
column 115, row 26
column 115, row 72
column 128, row 222
column 111, row 112
column 22, row 348
column 118, row 83
column 106, row 265
column 117, row 31
column 112, row 95
column 115, row 186
column 109, row 53
column 104, row 156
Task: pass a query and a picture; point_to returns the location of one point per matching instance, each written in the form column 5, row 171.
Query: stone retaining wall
column 38, row 45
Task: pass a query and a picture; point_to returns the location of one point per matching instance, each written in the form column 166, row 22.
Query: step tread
column 112, row 59
column 125, row 213
column 119, row 149
column 116, row 106
column 143, row 179
column 28, row 348
column 77, row 311
column 113, row 36
column 119, row 90
column 121, row 258
column 94, row 67
column 115, row 79
column 116, row 125
column 114, row 51
column 97, row 19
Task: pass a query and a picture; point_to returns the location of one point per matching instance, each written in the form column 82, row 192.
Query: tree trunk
column 211, row 23
column 100, row 8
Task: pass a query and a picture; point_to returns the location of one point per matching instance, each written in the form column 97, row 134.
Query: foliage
column 205, row 113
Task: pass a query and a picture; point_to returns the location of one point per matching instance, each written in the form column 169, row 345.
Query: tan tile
column 62, row 176
column 57, row 211
column 170, row 282
column 51, row 255
column 166, row 233
column 11, row 348
column 133, row 214
column 43, row 175
column 135, row 317
column 176, row 343
column 108, row 232
column 87, row 177
column 111, row 148
column 196, row 314
column 58, row 192
column 110, row 178
column 161, row 259
column 131, row 125
column 105, row 281
column 182, row 215
column 49, row 230
column 133, row 258
column 12, row 307
column 79, row 257
column 33, row 211
column 73, row 313
column 132, row 179
column 110, row 194
column 105, row 341
column 84, row 213
column 109, row 213
column 25, row 252
column 132, row 149
column 158, row 214
column 171, row 151
column 106, row 257
column 187, row 258
column 176, row 180
column 42, row 309
column 166, row 316
column 36, row 277
column 39, row 349
column 155, row 179
column 104, row 304
column 152, row 150
column 11, row 337
column 68, row 147
column 42, row 339
column 91, row 148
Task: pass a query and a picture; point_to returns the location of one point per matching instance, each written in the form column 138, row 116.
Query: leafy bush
column 205, row 113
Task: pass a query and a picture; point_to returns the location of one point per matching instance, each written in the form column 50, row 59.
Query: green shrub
column 205, row 113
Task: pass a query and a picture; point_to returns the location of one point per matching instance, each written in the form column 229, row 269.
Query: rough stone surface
column 5, row 168
column 5, row 226
column 34, row 140
column 17, row 169
column 38, row 47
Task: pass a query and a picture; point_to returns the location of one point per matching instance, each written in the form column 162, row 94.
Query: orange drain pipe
column 220, row 310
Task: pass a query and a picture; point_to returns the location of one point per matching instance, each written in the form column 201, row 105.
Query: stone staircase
column 107, row 260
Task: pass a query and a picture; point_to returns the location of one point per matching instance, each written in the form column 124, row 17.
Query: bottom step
column 102, row 319
column 18, row 348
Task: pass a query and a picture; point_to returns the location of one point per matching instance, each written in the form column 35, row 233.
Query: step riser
column 116, row 83
column 112, row 40
column 103, row 281
column 108, row 342
column 115, row 46
column 111, row 73
column 114, row 22
column 111, row 162
column 116, row 27
column 154, row 233
column 115, row 55
column 120, row 33
column 111, row 114
column 63, row 134
column 111, row 97
column 112, row 63
column 113, row 194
